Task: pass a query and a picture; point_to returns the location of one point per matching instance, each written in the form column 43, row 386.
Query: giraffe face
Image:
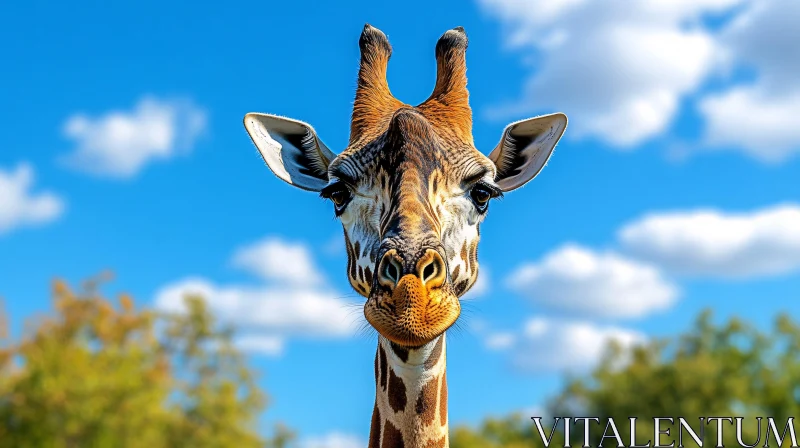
column 410, row 189
column 411, row 202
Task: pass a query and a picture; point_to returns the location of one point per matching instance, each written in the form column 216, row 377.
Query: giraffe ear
column 291, row 149
column 524, row 149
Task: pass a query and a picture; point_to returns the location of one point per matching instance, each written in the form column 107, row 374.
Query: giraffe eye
column 480, row 196
column 339, row 194
column 340, row 198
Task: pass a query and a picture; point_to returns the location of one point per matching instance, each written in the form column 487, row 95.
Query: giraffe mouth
column 411, row 314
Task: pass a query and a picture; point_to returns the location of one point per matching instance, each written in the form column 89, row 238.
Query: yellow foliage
column 93, row 375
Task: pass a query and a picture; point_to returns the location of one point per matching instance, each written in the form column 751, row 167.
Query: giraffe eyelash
column 339, row 194
column 494, row 190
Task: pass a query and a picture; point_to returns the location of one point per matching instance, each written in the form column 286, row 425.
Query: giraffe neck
column 410, row 396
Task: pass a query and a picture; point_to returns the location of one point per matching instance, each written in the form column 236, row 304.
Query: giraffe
column 411, row 190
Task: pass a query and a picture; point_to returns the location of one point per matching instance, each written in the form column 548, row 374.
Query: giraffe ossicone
column 411, row 191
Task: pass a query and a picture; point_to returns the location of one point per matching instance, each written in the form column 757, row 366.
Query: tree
column 514, row 431
column 95, row 375
column 723, row 370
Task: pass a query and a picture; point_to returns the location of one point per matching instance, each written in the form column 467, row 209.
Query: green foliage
column 95, row 375
column 711, row 371
column 515, row 431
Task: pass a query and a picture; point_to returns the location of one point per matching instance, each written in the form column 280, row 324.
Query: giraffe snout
column 430, row 269
column 413, row 301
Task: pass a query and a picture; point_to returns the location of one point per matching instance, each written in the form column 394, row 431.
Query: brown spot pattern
column 377, row 372
column 436, row 443
column 400, row 351
column 426, row 402
column 392, row 437
column 375, row 428
column 396, row 392
column 433, row 358
column 351, row 259
column 382, row 356
column 462, row 286
column 473, row 256
column 368, row 275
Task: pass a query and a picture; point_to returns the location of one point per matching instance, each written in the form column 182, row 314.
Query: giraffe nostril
column 389, row 269
column 428, row 272
column 391, row 272
column 431, row 269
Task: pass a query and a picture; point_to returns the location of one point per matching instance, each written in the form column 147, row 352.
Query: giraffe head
column 410, row 189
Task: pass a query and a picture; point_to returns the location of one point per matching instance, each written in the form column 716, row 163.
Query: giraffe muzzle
column 430, row 269
column 413, row 301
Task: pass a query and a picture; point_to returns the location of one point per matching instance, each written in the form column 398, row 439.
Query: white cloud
column 709, row 242
column 500, row 341
column 287, row 304
column 548, row 345
column 265, row 345
column 761, row 125
column 270, row 309
column 273, row 259
column 19, row 206
column 577, row 280
column 120, row 143
column 618, row 68
column 333, row 440
column 760, row 118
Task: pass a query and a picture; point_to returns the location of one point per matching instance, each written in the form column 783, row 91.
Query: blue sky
column 675, row 188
